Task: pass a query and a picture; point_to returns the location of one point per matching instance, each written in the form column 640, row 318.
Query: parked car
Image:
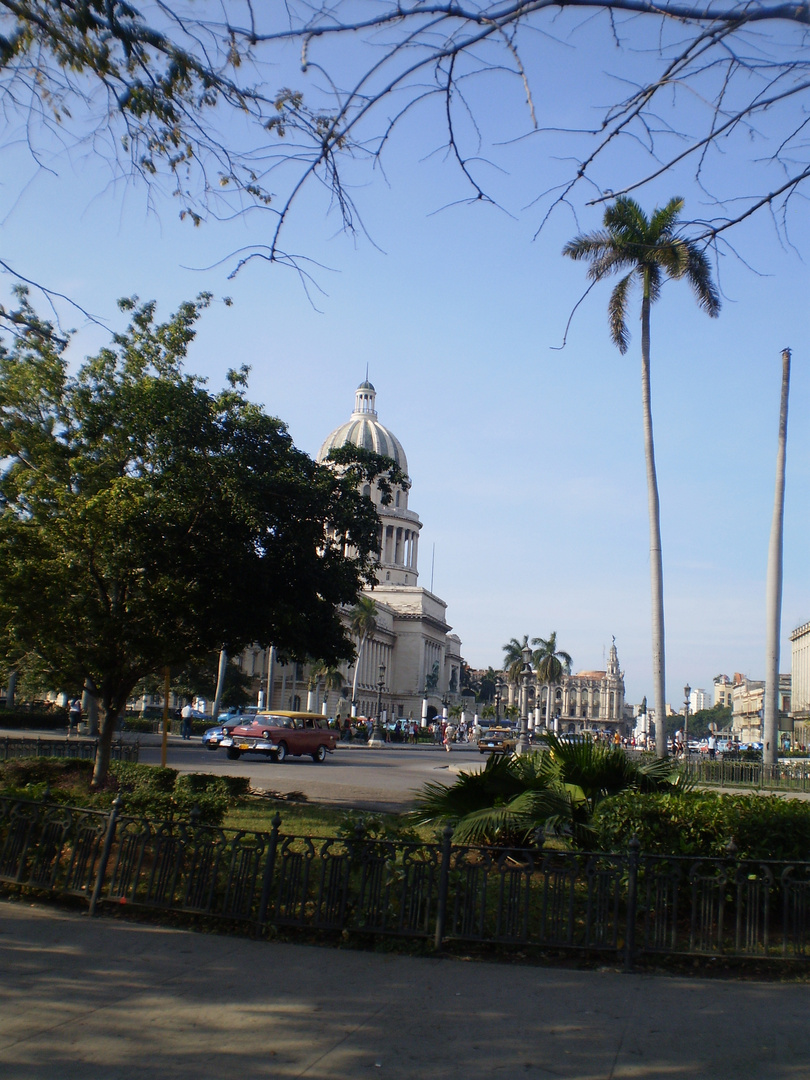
column 281, row 735
column 213, row 736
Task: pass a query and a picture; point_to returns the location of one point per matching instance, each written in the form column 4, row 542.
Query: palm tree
column 557, row 789
column 651, row 251
column 327, row 674
column 773, row 595
column 363, row 622
column 513, row 658
column 550, row 664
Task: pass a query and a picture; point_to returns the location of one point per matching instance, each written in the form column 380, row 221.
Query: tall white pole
column 773, row 588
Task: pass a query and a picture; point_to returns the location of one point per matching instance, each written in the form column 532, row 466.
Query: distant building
column 589, row 700
column 800, row 671
column 747, row 705
column 723, row 687
column 698, row 700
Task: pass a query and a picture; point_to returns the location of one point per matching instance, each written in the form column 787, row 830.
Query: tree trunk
column 223, row 665
column 90, row 706
column 773, row 592
column 271, row 663
column 11, row 689
column 656, row 557
column 109, row 722
column 356, row 672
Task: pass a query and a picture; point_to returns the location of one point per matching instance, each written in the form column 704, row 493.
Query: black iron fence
column 626, row 907
column 85, row 749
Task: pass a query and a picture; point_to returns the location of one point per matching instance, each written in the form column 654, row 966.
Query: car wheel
column 281, row 752
column 233, row 753
column 320, row 755
column 210, row 746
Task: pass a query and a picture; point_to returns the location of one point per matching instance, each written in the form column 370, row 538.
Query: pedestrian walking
column 186, row 715
column 74, row 715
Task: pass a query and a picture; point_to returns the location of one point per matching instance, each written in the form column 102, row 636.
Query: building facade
column 800, row 672
column 747, row 701
column 411, row 662
column 589, row 700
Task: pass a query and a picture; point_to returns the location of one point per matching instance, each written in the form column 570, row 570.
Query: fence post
column 632, row 903
column 109, row 836
column 444, row 877
column 269, row 868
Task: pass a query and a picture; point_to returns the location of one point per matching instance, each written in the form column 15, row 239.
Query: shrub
column 133, row 777
column 703, row 823
column 145, row 790
column 39, row 719
column 141, row 723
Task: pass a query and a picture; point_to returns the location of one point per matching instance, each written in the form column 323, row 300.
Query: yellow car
column 498, row 740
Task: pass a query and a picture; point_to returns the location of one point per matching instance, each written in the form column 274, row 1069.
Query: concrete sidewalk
column 109, row 1000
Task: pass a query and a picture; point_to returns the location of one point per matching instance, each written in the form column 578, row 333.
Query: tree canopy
column 146, row 521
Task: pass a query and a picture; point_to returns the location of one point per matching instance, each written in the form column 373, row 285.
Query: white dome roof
column 363, row 429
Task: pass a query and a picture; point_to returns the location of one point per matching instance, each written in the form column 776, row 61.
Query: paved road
column 103, row 999
column 384, row 779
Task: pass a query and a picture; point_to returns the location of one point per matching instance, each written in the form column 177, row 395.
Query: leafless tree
column 235, row 106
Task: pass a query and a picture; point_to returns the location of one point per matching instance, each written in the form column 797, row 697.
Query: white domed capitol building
column 412, row 653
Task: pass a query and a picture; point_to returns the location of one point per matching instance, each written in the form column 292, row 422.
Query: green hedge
column 145, row 790
column 34, row 719
column 703, row 823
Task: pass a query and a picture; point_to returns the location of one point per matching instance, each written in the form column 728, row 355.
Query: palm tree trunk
column 656, row 557
column 773, row 592
column 223, row 666
column 356, row 672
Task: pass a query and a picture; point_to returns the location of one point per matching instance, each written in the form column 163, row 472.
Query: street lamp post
column 687, row 690
column 377, row 737
column 498, row 689
column 525, row 677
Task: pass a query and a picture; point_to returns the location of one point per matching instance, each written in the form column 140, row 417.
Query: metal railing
column 19, row 746
column 786, row 775
column 627, row 906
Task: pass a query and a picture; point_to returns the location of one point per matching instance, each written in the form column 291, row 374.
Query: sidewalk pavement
column 104, row 999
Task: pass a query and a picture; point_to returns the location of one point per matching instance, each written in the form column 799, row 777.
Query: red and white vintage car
column 280, row 735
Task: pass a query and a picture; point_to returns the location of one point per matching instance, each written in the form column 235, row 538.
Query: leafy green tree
column 145, row 521
column 649, row 251
column 199, row 679
column 488, row 685
column 550, row 663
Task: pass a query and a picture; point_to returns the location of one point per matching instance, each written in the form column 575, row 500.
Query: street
column 353, row 776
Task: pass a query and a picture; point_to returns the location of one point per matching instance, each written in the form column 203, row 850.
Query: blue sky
column 526, row 459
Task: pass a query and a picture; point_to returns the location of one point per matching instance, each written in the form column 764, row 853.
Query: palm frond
column 664, row 219
column 617, row 314
column 699, row 276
